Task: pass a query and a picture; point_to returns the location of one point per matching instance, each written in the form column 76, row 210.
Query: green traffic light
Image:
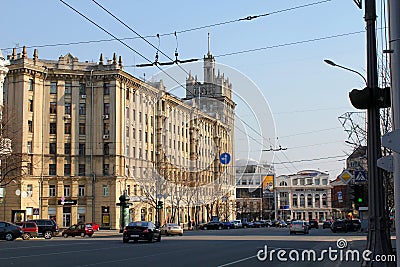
column 359, row 200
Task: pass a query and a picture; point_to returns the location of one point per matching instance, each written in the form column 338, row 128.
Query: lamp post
column 378, row 241
column 330, row 62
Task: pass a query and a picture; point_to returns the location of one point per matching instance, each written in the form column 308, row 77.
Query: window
column 107, row 108
column 302, row 201
column 67, row 148
column 295, row 200
column 67, row 128
column 140, row 116
column 127, row 112
column 105, row 190
column 30, row 84
column 309, row 200
column 30, row 126
column 53, row 87
column 82, row 149
column 52, row 169
column 324, row 200
column 106, row 169
column 82, row 89
column 82, row 170
column 106, row 128
column 67, row 108
column 82, row 108
column 29, row 167
column 53, row 148
column 67, row 190
column 29, row 189
column 127, row 93
column 53, row 128
column 81, row 190
column 29, row 147
column 106, row 149
column 82, row 128
column 106, row 88
column 68, row 88
column 67, row 169
column 30, row 105
column 52, row 190
column 53, row 107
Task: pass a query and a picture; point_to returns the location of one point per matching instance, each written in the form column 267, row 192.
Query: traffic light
column 159, row 205
column 367, row 98
column 359, row 195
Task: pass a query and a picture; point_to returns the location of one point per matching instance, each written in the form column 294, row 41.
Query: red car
column 79, row 229
column 95, row 226
column 30, row 229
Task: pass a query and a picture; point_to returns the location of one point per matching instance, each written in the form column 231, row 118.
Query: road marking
column 237, row 261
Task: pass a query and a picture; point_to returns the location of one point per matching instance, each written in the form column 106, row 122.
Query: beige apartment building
column 86, row 133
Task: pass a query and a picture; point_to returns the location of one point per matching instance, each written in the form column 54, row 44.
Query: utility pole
column 394, row 46
column 378, row 241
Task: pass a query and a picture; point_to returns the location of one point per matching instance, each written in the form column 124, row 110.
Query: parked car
column 80, row 229
column 327, row 224
column 298, row 227
column 212, row 225
column 171, row 229
column 228, row 225
column 237, row 223
column 279, row 223
column 258, row 224
column 141, row 230
column 247, row 224
column 46, row 228
column 9, row 231
column 95, row 226
column 30, row 229
column 314, row 224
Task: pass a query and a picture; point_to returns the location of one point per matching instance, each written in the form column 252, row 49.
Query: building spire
column 209, row 52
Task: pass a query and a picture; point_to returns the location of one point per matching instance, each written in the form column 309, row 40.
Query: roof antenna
column 209, row 53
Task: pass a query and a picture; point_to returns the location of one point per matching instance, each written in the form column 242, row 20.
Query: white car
column 298, row 227
column 237, row 223
column 171, row 229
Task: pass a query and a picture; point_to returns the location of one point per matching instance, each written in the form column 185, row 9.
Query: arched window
column 294, row 200
column 302, row 201
column 309, row 200
column 324, row 200
column 317, row 201
column 283, row 183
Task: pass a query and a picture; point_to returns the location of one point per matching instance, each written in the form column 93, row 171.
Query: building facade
column 87, row 133
column 254, row 192
column 305, row 195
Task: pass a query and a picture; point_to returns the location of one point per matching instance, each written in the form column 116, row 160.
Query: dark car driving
column 215, row 225
column 314, row 224
column 345, row 226
column 9, row 231
column 141, row 230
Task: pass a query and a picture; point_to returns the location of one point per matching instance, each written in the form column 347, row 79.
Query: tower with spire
column 214, row 95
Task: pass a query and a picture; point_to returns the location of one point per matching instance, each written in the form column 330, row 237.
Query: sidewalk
column 107, row 233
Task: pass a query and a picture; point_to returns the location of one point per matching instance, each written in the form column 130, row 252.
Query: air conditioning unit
column 83, row 96
column 67, row 116
column 106, row 117
column 106, row 136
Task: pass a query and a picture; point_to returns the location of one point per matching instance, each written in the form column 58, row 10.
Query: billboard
column 268, row 182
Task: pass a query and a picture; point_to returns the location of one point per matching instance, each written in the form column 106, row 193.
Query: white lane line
column 237, row 261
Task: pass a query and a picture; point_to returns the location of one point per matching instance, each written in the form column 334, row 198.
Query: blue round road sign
column 225, row 158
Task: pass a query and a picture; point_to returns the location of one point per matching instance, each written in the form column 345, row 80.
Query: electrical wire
column 119, row 40
column 181, row 31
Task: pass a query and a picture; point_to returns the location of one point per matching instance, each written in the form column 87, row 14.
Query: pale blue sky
column 305, row 95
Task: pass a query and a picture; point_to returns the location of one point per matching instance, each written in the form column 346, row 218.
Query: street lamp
column 330, row 62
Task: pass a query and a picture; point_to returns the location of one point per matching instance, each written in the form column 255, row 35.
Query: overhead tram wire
column 125, row 44
column 141, row 37
column 172, row 33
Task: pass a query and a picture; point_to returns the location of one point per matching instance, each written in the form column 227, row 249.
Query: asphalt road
column 235, row 247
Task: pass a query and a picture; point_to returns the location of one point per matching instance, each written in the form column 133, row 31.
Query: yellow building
column 85, row 133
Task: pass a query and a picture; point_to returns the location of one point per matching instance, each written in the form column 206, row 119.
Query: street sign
column 36, row 211
column 346, row 176
column 340, row 196
column 225, row 158
column 360, row 176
